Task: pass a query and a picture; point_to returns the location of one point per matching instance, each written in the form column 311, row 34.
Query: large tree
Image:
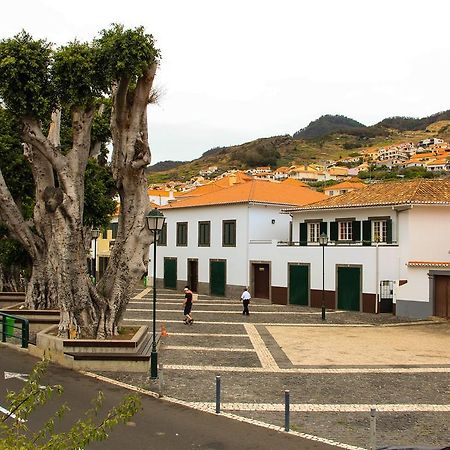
column 41, row 85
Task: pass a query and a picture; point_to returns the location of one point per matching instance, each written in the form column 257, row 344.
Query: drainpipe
column 377, row 278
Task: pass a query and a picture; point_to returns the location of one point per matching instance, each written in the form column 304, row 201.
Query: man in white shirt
column 245, row 297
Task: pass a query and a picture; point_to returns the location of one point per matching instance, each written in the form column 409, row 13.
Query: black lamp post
column 155, row 222
column 95, row 233
column 323, row 241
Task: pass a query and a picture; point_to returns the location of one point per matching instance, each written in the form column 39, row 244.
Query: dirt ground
column 379, row 345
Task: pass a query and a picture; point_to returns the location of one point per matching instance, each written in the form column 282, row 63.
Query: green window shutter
column 323, row 227
column 367, row 232
column 356, row 231
column 303, row 234
column 333, row 231
column 389, row 231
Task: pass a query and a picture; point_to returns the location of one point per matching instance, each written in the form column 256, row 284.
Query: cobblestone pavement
column 333, row 402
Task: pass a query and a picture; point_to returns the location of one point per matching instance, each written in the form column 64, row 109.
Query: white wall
column 236, row 256
column 334, row 255
column 261, row 226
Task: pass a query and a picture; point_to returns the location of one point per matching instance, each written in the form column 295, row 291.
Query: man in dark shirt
column 188, row 320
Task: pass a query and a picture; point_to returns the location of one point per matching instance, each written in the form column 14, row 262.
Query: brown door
column 262, row 280
column 442, row 296
column 193, row 274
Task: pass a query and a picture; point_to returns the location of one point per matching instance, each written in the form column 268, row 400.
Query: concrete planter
column 115, row 355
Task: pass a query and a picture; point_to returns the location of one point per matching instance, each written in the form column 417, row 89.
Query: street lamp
column 95, row 233
column 323, row 241
column 155, row 222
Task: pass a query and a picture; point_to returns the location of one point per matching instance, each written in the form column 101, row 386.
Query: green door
column 217, row 277
column 298, row 284
column 170, row 273
column 349, row 288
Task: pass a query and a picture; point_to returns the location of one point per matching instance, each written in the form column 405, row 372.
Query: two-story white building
column 205, row 242
column 387, row 251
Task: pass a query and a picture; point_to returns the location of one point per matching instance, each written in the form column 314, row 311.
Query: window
column 345, row 231
column 313, row 231
column 162, row 238
column 204, row 234
column 114, row 227
column 379, row 230
column 182, row 228
column 229, row 233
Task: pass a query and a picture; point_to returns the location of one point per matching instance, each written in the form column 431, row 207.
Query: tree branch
column 120, row 92
column 14, row 220
column 142, row 96
column 32, row 135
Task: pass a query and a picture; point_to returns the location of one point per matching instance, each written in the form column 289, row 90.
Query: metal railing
column 9, row 325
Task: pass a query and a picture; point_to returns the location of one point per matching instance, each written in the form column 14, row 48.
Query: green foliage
column 259, row 155
column 412, row 123
column 25, row 85
column 76, row 76
column 100, row 188
column 326, row 125
column 125, row 53
column 15, row 434
column 15, row 169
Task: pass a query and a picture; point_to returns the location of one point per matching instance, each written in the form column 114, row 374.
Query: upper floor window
column 204, row 234
column 229, row 233
column 379, row 230
column 345, row 230
column 313, row 231
column 182, row 232
column 114, row 228
column 162, row 237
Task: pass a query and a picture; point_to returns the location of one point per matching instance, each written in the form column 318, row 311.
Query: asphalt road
column 160, row 425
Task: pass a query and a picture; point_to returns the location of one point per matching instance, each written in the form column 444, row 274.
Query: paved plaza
column 335, row 371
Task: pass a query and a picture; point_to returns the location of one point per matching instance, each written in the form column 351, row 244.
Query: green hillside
column 287, row 150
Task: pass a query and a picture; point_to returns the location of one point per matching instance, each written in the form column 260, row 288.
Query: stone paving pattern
column 260, row 376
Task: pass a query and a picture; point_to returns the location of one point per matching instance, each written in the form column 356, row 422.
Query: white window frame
column 313, row 231
column 379, row 230
column 345, row 230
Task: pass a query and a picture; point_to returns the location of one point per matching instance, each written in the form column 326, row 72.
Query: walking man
column 245, row 297
column 188, row 320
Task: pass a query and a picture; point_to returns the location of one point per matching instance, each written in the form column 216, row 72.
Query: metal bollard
column 218, row 394
column 373, row 428
column 286, row 410
column 161, row 379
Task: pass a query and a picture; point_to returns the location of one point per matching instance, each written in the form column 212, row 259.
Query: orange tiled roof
column 202, row 190
column 293, row 182
column 421, row 191
column 346, row 185
column 230, row 180
column 255, row 191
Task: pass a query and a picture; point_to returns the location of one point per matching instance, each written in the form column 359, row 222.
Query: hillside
column 286, row 150
column 326, row 125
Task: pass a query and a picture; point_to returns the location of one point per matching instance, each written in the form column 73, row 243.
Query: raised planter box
column 116, row 355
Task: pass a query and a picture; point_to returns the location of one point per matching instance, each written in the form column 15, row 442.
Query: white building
column 206, row 240
column 388, row 246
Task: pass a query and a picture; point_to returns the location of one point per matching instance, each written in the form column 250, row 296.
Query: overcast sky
column 233, row 71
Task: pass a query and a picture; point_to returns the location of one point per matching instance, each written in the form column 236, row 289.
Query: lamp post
column 95, row 233
column 155, row 222
column 323, row 241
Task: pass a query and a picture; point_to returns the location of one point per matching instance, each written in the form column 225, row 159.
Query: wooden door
column 261, row 278
column 349, row 288
column 442, row 296
column 193, row 274
column 170, row 273
column 217, row 277
column 298, row 284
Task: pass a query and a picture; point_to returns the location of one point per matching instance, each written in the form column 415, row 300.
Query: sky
column 233, row 71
